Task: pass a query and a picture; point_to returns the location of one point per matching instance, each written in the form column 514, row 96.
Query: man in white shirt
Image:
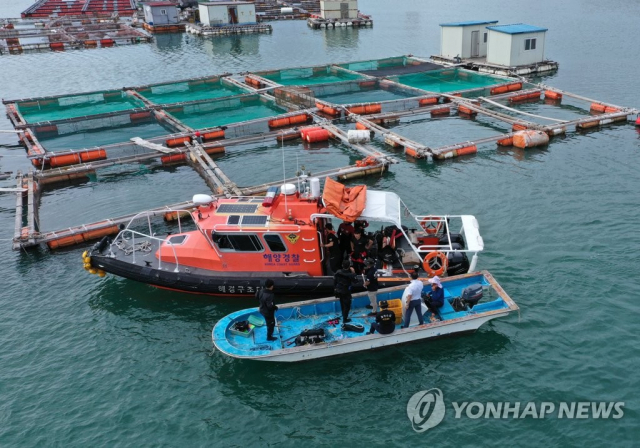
column 414, row 300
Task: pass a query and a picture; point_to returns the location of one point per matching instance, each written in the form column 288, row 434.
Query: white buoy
column 314, row 185
column 202, row 199
column 358, row 136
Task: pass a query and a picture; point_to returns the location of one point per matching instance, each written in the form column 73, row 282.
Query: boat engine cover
column 458, row 263
column 472, row 294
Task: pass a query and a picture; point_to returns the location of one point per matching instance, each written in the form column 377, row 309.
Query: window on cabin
column 530, row 44
column 163, row 12
column 485, row 37
column 275, row 243
column 238, row 242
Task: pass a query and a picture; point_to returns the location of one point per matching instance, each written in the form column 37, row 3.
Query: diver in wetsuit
column 342, row 282
column 268, row 307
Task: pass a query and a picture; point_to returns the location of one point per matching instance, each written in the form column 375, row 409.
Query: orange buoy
column 588, row 124
column 427, row 102
column 66, row 241
column 638, row 121
column 99, row 233
column 91, row 43
column 107, row 43
column 498, row 90
column 435, row 263
column 597, row 107
column 56, row 46
column 297, row 119
column 431, row 224
column 140, row 116
column 472, row 149
column 288, row 136
column 356, row 110
column 518, row 127
column 610, row 110
column 551, row 95
column 305, row 131
column 466, row 110
column 213, row 135
column 440, row 112
column 96, row 154
column 515, row 86
column 372, row 108
column 525, row 97
column 64, row 160
column 319, row 135
column 279, row 122
column 508, row 141
column 530, row 138
column 410, row 152
column 178, row 141
column 327, row 109
column 361, row 127
column 215, row 150
column 49, row 129
column 366, row 84
column 173, row 158
column 448, row 100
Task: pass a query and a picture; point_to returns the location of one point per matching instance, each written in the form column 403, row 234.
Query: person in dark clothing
column 385, row 320
column 345, row 232
column 268, row 307
column 342, row 282
column 371, row 283
column 333, row 244
column 359, row 247
column 435, row 299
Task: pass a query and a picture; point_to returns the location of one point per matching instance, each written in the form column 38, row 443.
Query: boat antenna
column 284, row 179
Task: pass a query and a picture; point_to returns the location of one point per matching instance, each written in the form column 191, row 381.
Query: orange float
column 96, row 154
column 551, row 95
column 139, row 116
column 508, row 141
column 213, row 135
column 320, row 135
column 597, row 107
column 435, row 263
column 178, row 141
column 427, row 102
column 64, row 160
column 173, row 158
column 361, row 127
column 440, row 112
column 519, row 127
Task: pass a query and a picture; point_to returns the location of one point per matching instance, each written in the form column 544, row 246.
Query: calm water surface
column 107, row 362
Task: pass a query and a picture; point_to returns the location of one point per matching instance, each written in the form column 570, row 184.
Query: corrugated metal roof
column 517, row 28
column 160, row 3
column 469, row 23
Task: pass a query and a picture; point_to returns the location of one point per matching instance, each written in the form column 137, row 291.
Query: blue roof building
column 464, row 39
column 516, row 44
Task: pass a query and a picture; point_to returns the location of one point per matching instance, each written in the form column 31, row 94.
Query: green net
column 309, row 76
column 190, row 91
column 448, row 80
column 74, row 106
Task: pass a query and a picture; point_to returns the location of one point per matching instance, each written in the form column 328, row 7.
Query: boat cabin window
column 238, row 242
column 178, row 239
column 275, row 243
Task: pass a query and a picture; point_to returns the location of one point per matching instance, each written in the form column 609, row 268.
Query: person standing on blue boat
column 371, row 283
column 385, row 320
column 268, row 307
column 435, row 299
column 414, row 300
column 342, row 282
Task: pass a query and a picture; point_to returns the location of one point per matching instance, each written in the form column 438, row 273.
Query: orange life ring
column 435, row 263
column 431, row 224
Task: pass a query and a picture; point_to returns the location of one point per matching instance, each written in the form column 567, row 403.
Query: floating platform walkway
column 67, row 33
column 226, row 30
column 197, row 121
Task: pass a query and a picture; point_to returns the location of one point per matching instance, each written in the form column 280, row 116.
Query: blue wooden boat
column 243, row 335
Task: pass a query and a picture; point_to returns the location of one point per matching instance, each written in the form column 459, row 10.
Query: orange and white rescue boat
column 236, row 243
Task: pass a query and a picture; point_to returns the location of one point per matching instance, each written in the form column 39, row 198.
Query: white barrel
column 202, row 199
column 314, row 185
column 288, row 189
column 359, row 136
column 286, row 10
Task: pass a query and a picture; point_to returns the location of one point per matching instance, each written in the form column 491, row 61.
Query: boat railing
column 134, row 249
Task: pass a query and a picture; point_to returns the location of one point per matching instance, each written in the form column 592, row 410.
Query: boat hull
column 294, row 319
column 376, row 341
